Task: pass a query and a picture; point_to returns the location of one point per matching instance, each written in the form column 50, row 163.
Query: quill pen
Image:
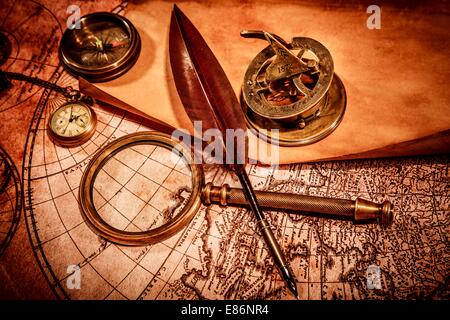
column 208, row 96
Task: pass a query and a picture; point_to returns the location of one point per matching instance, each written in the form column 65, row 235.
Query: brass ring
column 103, row 229
column 223, row 194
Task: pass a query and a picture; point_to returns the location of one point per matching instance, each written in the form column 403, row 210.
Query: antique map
column 219, row 255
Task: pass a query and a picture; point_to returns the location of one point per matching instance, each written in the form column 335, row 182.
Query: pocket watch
column 104, row 47
column 72, row 124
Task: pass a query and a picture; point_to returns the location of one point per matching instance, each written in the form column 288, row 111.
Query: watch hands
column 70, row 120
column 73, row 118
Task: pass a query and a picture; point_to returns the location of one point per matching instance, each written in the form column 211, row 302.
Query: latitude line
column 285, row 218
column 8, row 13
column 25, row 21
column 161, row 185
column 322, row 232
column 124, row 187
column 61, row 220
column 177, row 240
column 210, row 235
column 66, row 230
column 165, row 260
column 120, row 213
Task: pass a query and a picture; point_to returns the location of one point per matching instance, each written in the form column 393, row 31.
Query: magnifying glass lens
column 142, row 187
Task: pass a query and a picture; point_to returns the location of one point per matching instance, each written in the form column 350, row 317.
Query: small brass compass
column 105, row 47
column 291, row 87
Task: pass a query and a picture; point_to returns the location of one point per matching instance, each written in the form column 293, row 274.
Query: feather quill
column 202, row 85
column 208, row 96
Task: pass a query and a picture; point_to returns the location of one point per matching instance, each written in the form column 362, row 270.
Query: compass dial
column 292, row 88
column 72, row 124
column 105, row 47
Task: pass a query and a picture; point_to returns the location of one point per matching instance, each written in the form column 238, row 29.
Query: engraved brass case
column 292, row 87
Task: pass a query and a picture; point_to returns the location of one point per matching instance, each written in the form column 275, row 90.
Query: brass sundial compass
column 292, row 87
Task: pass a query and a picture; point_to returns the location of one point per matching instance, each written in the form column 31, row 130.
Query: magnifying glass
column 145, row 187
column 140, row 189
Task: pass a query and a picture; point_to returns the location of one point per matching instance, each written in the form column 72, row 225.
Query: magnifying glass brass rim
column 105, row 230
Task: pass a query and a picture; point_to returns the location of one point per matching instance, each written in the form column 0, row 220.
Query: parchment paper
column 395, row 77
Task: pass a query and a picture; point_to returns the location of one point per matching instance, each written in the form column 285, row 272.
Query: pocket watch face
column 72, row 124
column 105, row 46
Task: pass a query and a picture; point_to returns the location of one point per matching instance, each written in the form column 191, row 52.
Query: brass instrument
column 106, row 46
column 292, row 88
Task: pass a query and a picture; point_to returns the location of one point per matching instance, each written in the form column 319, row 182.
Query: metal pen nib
column 265, row 229
column 289, row 281
column 278, row 256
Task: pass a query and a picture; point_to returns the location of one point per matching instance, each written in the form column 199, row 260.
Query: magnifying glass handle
column 358, row 211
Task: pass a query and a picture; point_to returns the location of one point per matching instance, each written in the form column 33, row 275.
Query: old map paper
column 392, row 76
column 219, row 255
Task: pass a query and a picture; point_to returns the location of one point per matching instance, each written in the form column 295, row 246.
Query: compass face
column 72, row 124
column 105, row 46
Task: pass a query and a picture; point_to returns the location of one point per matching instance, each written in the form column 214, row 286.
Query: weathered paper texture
column 395, row 77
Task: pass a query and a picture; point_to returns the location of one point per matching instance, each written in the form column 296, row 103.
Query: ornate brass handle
column 359, row 210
